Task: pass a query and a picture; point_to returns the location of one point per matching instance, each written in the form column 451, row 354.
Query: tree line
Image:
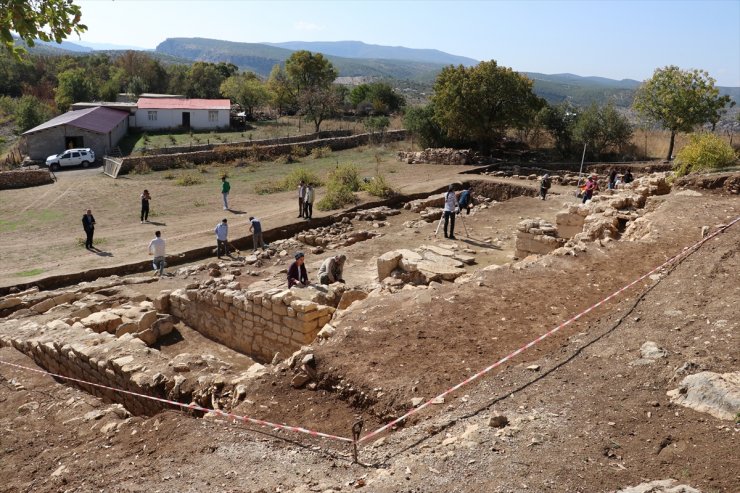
column 42, row 85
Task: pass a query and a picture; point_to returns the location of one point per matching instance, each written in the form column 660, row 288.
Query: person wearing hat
column 545, row 184
column 589, row 188
column 297, row 275
column 222, row 237
column 331, row 270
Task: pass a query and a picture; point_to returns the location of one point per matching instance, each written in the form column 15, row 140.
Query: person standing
column 612, row 182
column 301, row 194
column 628, row 178
column 145, row 198
column 308, row 202
column 331, row 270
column 589, row 188
column 545, row 185
column 256, row 229
column 225, row 188
column 449, row 211
column 222, row 236
column 156, row 248
column 88, row 224
column 465, row 200
column 297, row 275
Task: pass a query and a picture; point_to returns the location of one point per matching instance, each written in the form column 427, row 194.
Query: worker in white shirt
column 156, row 248
column 449, row 211
column 222, row 236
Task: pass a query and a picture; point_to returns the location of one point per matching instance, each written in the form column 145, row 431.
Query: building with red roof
column 198, row 114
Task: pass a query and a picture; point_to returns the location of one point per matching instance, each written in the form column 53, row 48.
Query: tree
column 479, row 103
column 679, row 100
column 247, row 90
column 282, row 97
column 74, row 86
column 420, row 122
column 311, row 78
column 204, row 79
column 47, row 20
column 559, row 121
column 601, row 129
column 30, row 112
column 378, row 96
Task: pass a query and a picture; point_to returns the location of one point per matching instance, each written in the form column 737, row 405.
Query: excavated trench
column 95, row 339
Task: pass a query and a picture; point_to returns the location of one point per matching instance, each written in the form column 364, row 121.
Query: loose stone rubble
column 423, row 265
column 338, row 235
column 442, row 155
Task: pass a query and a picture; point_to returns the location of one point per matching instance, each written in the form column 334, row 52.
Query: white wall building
column 198, row 114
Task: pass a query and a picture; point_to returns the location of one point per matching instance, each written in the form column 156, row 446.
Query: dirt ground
column 41, row 229
column 584, row 418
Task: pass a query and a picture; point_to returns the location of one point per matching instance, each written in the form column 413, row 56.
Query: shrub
column 347, row 175
column 297, row 152
column 377, row 186
column 319, row 152
column 188, row 179
column 343, row 181
column 705, row 151
column 169, row 176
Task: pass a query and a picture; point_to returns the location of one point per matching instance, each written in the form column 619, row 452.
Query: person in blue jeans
column 256, row 229
column 222, row 236
column 449, row 211
column 156, row 248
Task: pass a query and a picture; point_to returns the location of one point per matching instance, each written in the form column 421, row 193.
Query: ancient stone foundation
column 257, row 323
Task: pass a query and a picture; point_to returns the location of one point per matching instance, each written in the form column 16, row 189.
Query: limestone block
column 717, row 394
column 279, row 309
column 102, row 322
column 439, row 259
column 64, row 298
column 435, row 271
column 438, row 250
column 303, row 306
column 10, row 302
column 162, row 301
column 43, row 306
column 349, row 297
column 386, row 263
column 147, row 319
column 127, row 328
column 283, row 297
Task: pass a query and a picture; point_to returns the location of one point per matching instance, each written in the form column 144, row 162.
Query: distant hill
column 583, row 91
column 260, row 58
column 358, row 49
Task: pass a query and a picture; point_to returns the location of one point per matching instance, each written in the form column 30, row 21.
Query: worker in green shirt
column 225, row 187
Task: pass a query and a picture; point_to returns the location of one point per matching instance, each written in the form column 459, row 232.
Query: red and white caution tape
column 191, row 407
column 506, row 358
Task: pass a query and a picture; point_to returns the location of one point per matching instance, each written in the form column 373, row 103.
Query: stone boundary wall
column 24, row 178
column 229, row 153
column 97, row 358
column 327, row 134
column 256, row 323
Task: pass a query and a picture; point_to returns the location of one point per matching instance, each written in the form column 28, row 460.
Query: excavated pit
column 219, row 328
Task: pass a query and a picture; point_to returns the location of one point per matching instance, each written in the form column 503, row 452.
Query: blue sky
column 615, row 39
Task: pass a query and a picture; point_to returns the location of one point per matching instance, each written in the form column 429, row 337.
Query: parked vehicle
column 71, row 157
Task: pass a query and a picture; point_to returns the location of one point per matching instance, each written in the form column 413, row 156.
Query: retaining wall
column 232, row 152
column 249, row 143
column 257, row 323
column 23, row 178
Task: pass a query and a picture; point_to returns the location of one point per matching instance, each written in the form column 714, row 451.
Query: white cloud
column 307, row 26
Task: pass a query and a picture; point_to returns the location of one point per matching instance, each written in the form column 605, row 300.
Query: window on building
column 152, row 116
column 212, row 116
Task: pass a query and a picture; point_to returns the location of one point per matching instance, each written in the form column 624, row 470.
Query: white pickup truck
column 71, row 157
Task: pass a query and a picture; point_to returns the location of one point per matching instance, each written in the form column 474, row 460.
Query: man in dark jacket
column 88, row 224
column 297, row 275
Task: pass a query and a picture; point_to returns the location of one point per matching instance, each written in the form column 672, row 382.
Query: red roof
column 183, row 104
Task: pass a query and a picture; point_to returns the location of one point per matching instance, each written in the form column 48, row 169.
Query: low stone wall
column 232, row 152
column 535, row 236
column 328, row 134
column 257, row 323
column 98, row 358
column 23, row 178
column 442, row 155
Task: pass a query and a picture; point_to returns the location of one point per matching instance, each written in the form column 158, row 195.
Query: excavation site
column 551, row 345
